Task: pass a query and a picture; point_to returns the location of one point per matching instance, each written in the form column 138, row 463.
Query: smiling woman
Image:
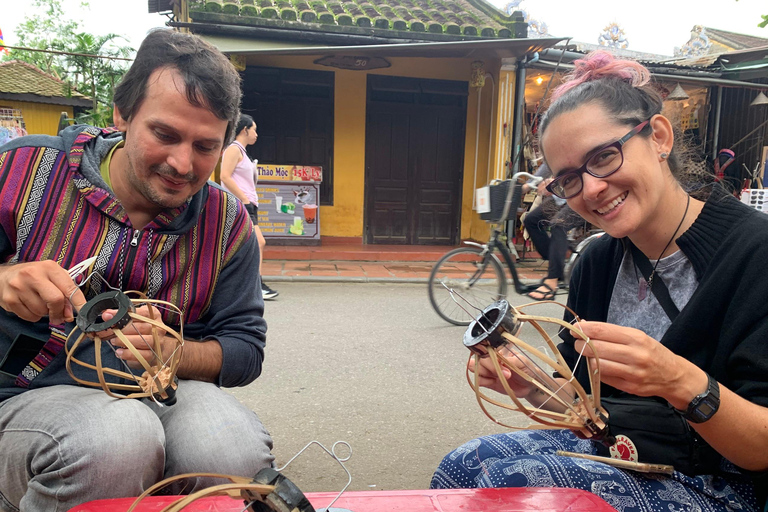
column 683, row 334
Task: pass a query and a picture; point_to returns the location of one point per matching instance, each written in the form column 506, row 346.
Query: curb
column 360, row 280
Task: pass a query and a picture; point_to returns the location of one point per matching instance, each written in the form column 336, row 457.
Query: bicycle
column 469, row 278
column 578, row 243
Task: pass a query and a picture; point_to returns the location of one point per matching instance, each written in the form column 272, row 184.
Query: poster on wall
column 289, row 210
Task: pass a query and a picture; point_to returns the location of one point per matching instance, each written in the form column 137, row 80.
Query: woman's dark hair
column 621, row 87
column 245, row 121
column 209, row 78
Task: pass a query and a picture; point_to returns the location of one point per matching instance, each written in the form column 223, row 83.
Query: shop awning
column 501, row 48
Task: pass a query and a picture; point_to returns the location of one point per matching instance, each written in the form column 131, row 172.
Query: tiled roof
column 735, row 41
column 17, row 77
column 452, row 19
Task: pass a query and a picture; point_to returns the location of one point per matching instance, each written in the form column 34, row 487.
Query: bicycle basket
column 498, row 194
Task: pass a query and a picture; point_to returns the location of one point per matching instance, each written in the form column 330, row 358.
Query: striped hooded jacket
column 201, row 256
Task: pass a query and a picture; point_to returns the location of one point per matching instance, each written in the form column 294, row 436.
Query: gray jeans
column 65, row 445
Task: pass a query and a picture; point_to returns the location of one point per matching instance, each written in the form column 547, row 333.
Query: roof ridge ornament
column 613, row 37
column 698, row 45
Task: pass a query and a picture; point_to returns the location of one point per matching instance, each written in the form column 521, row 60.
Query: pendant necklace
column 645, row 285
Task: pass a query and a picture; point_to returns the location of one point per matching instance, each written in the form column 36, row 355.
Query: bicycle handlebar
column 532, row 180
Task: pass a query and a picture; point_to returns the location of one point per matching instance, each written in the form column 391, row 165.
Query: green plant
column 89, row 64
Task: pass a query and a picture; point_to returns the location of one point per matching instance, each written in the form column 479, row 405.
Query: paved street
column 372, row 365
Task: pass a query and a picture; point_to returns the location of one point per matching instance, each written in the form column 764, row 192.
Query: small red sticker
column 624, row 449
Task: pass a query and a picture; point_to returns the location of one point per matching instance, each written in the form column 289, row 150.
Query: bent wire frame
column 268, row 488
column 565, row 404
column 158, row 381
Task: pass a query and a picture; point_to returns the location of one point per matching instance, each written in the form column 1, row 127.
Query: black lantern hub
column 489, row 326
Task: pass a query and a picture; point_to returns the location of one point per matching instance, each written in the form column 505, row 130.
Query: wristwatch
column 705, row 405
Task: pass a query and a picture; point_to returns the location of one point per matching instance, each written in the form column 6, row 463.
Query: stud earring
column 664, row 156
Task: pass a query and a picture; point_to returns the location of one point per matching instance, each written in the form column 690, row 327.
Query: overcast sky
column 652, row 26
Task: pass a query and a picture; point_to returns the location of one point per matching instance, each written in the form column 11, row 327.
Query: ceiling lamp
column 678, row 93
column 760, row 99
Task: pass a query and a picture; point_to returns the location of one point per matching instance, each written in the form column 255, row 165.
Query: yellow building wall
column 346, row 217
column 494, row 145
column 39, row 118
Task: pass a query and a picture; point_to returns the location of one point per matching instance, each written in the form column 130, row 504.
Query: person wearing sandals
column 548, row 226
column 238, row 177
column 698, row 351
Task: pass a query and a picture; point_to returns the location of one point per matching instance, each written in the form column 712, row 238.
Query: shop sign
column 269, row 172
column 356, row 63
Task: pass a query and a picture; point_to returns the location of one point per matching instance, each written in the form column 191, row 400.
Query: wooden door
column 414, row 162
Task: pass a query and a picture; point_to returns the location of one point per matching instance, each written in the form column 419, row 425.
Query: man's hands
column 39, row 288
column 139, row 334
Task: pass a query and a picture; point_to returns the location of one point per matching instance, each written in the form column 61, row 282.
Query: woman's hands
column 632, row 361
column 636, row 363
column 488, row 378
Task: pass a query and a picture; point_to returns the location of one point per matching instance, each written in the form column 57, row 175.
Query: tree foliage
column 48, row 28
column 763, row 23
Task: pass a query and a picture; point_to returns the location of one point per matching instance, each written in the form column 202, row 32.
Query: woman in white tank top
column 238, row 176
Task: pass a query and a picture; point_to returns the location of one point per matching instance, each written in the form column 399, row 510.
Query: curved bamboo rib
column 237, row 483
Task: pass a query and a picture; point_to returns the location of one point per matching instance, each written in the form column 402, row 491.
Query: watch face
column 705, row 409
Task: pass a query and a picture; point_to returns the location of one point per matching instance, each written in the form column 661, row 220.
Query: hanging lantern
column 678, row 93
column 760, row 99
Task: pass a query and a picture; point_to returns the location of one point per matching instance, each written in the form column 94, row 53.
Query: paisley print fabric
column 527, row 459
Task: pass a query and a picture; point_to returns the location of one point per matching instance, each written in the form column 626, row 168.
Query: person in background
column 615, row 160
column 238, row 176
column 138, row 198
column 548, row 225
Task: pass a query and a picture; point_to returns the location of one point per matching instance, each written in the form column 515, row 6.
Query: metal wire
column 332, row 453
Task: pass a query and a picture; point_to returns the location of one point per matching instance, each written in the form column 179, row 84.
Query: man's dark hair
column 210, row 79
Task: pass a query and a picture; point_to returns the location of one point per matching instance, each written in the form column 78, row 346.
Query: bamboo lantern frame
column 158, row 380
column 493, row 334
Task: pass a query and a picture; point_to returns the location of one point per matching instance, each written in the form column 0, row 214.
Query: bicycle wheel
column 476, row 279
column 577, row 252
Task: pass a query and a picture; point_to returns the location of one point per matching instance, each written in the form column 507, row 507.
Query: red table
column 438, row 500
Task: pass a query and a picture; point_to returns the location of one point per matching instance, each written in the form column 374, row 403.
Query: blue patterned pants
column 527, row 458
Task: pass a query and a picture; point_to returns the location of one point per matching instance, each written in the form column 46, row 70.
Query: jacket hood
column 86, row 146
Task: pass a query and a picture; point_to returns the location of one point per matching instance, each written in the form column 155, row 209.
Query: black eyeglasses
column 601, row 163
